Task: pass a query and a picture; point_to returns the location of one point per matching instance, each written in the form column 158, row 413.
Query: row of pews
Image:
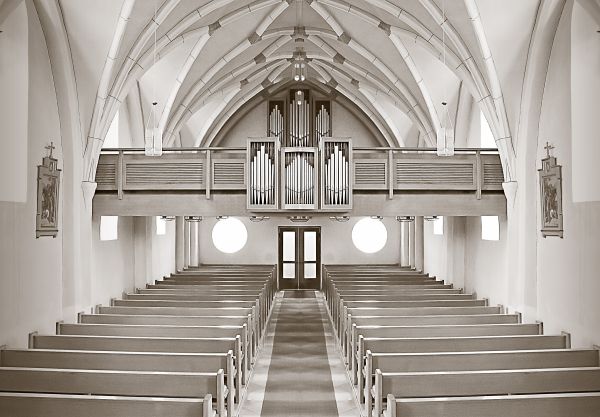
column 181, row 347
column 415, row 346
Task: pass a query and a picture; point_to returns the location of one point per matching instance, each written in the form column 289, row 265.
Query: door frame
column 299, row 252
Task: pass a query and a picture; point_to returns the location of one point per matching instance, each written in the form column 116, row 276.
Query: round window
column 229, row 235
column 369, row 235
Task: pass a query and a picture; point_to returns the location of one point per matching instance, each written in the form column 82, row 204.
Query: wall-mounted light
column 299, row 219
column 341, row 219
column 377, row 217
column 222, row 217
column 193, row 219
column 405, row 219
column 257, row 219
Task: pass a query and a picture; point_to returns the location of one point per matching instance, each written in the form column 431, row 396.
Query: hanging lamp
column 152, row 137
column 445, row 133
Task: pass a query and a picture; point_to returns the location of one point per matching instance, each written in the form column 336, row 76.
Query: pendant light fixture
column 152, row 137
column 445, row 134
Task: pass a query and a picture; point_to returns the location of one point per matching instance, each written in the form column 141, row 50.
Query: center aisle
column 299, row 372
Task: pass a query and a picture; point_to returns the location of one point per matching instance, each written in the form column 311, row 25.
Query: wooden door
column 299, row 258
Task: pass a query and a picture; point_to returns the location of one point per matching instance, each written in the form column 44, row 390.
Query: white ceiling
column 92, row 28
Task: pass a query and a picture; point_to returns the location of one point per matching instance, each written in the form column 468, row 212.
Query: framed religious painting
column 551, row 196
column 48, row 185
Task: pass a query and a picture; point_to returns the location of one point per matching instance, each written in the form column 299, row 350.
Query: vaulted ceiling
column 399, row 60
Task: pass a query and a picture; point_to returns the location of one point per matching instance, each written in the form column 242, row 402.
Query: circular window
column 229, row 235
column 369, row 235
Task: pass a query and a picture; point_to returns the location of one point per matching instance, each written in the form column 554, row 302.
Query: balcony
column 332, row 179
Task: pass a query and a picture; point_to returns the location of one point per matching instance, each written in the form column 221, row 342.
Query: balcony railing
column 338, row 171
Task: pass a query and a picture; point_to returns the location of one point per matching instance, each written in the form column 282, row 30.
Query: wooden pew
column 124, row 330
column 471, row 361
column 119, row 383
column 184, row 303
column 145, row 344
column 61, row 405
column 449, row 344
column 256, row 324
column 537, row 405
column 480, row 383
column 126, row 361
column 345, row 319
column 414, row 303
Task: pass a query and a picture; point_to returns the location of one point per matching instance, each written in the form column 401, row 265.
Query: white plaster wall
column 336, row 243
column 562, row 287
column 254, row 124
column 30, row 268
column 568, row 269
column 585, row 90
column 485, row 262
column 163, row 251
column 112, row 262
column 14, row 84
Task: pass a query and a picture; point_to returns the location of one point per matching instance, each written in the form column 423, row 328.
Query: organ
column 315, row 167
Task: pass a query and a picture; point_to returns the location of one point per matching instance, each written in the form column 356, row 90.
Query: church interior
column 287, row 208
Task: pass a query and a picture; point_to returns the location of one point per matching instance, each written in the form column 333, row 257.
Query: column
column 419, row 243
column 404, row 244
column 194, row 244
column 186, row 244
column 179, row 243
column 411, row 239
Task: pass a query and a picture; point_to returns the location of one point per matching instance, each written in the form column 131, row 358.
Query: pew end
column 390, row 409
column 31, row 340
column 567, row 337
column 541, row 326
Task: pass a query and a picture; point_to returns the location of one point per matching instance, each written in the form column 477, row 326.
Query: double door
column 299, row 258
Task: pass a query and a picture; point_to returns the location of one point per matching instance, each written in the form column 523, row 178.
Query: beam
column 428, row 203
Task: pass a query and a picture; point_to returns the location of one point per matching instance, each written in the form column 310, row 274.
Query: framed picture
column 551, row 197
column 48, row 185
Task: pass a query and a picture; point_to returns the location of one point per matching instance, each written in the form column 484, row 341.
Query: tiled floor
column 252, row 406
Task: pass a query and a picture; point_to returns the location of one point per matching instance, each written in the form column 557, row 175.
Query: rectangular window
column 487, row 137
column 112, row 136
column 109, row 227
column 490, row 228
column 438, row 226
column 161, row 226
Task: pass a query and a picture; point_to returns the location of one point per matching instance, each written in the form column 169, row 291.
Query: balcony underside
column 405, row 203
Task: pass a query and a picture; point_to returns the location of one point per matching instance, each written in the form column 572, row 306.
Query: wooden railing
column 389, row 170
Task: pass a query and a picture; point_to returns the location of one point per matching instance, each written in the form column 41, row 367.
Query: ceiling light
column 168, row 218
column 193, row 219
column 299, row 219
column 257, row 219
column 341, row 219
column 405, row 219
column 430, row 218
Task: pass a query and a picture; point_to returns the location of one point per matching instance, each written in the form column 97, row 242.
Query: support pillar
column 194, row 244
column 404, row 244
column 419, row 243
column 186, row 244
column 411, row 248
column 179, row 243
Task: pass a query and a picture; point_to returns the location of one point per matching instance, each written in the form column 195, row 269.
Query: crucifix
column 548, row 148
column 51, row 148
